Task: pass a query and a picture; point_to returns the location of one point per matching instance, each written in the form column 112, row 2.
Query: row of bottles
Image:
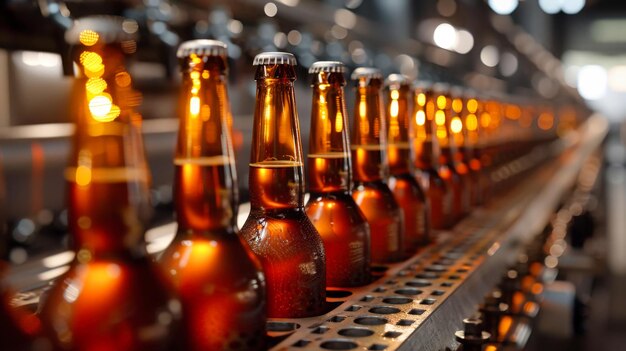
column 416, row 159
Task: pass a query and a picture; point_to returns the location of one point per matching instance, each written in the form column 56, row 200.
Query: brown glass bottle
column 428, row 153
column 217, row 277
column 371, row 169
column 447, row 166
column 486, row 147
column 470, row 149
column 457, row 136
column 278, row 230
column 338, row 219
column 401, row 156
column 112, row 297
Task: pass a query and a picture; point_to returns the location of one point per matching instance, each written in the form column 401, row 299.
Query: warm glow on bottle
column 420, row 118
column 471, row 122
column 472, row 105
column 339, row 122
column 457, row 105
column 95, row 86
column 88, row 37
column 456, row 126
column 440, row 118
column 394, row 128
column 194, row 106
column 102, row 108
column 421, row 99
column 545, row 121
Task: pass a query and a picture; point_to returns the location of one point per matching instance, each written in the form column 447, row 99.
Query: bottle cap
column 202, row 47
column 274, row 58
column 397, row 80
column 104, row 29
column 366, row 72
column 327, row 66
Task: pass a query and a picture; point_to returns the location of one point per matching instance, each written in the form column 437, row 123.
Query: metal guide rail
column 417, row 304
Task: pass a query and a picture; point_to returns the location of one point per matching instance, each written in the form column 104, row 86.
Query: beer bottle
column 447, row 167
column 470, row 150
column 217, row 277
column 457, row 140
column 401, row 155
column 486, row 145
column 278, row 230
column 427, row 157
column 343, row 227
column 112, row 297
column 371, row 168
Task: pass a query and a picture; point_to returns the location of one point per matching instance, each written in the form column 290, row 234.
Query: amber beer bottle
column 447, row 166
column 470, row 149
column 278, row 230
column 371, row 168
column 216, row 275
column 428, row 153
column 457, row 136
column 401, row 155
column 112, row 297
column 338, row 219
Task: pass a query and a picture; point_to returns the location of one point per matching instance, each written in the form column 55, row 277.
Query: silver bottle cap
column 274, row 58
column 395, row 81
column 202, row 47
column 367, row 73
column 327, row 66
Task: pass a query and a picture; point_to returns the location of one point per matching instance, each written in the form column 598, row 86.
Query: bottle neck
column 205, row 186
column 329, row 155
column 400, row 150
column 108, row 178
column 369, row 144
column 276, row 169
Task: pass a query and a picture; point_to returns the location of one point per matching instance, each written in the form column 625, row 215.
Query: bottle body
column 111, row 294
column 412, row 199
column 221, row 290
column 401, row 155
column 450, row 170
column 427, row 158
column 371, row 170
column 216, row 276
column 338, row 219
column 346, row 236
column 108, row 302
column 278, row 230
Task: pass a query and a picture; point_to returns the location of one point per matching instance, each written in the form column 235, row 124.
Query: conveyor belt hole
column 408, row 291
column 370, row 321
column 339, row 345
column 355, row 332
column 384, row 310
column 397, row 300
